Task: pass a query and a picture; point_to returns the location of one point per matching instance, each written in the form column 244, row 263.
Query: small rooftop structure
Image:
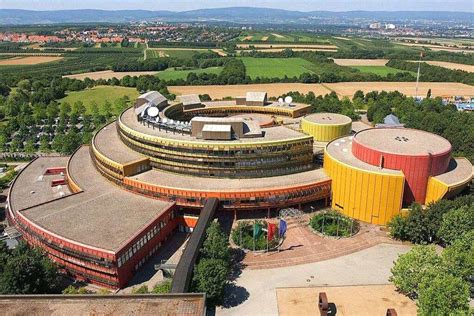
column 190, row 101
column 239, row 127
column 253, row 99
column 151, row 98
column 212, row 131
column 390, row 121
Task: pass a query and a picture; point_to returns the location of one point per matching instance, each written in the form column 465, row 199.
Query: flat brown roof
column 192, row 304
column 102, row 216
column 403, row 141
column 105, row 141
column 328, row 118
column 459, row 171
column 31, row 187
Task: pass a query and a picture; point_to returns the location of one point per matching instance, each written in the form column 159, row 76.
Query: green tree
column 458, row 258
column 398, row 227
column 216, row 244
column 444, row 294
column 411, row 268
column 455, row 223
column 28, row 271
column 417, row 228
column 210, row 277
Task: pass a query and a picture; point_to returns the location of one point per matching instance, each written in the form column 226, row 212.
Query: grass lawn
column 176, row 53
column 380, row 70
column 171, row 74
column 276, row 67
column 99, row 94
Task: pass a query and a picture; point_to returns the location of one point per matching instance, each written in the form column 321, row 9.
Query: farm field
column 282, row 46
column 276, row 67
column 445, row 64
column 438, row 47
column 99, row 94
column 278, row 37
column 182, row 53
column 171, row 74
column 360, row 62
column 275, row 50
column 28, row 60
column 343, row 89
column 379, row 70
column 109, row 74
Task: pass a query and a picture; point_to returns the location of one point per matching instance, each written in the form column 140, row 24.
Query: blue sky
column 300, row 5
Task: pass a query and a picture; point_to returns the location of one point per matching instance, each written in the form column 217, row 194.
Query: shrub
column 333, row 223
column 242, row 236
column 398, row 227
column 411, row 268
column 458, row 258
column 417, row 228
column 140, row 290
column 455, row 223
column 162, row 287
column 444, row 294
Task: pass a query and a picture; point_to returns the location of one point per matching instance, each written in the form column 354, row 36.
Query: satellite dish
column 288, row 100
column 165, row 120
column 280, row 100
column 152, row 111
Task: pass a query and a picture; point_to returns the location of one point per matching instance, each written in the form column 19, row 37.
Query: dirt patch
column 272, row 50
column 109, row 74
column 247, row 38
column 220, row 52
column 287, row 46
column 360, row 62
column 277, row 35
column 28, row 60
column 265, row 38
column 342, row 88
column 449, row 65
column 348, row 300
column 272, row 89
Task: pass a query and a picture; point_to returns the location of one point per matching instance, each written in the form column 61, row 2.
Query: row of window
column 144, row 240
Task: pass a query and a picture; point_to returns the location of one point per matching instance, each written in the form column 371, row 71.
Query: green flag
column 257, row 230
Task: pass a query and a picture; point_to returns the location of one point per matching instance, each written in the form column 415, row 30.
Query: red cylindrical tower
column 416, row 153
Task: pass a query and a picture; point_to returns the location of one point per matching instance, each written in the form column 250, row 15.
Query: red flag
column 271, row 230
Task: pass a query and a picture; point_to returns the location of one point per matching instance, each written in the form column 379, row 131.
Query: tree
column 458, row 258
column 417, row 228
column 398, row 227
column 210, row 277
column 216, row 244
column 455, row 223
column 444, row 294
column 411, row 268
column 28, row 271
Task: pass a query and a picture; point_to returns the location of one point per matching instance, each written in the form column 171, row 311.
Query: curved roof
column 402, row 141
column 328, row 119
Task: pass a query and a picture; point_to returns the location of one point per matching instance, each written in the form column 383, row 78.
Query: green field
column 277, row 36
column 379, row 70
column 276, row 67
column 175, row 53
column 171, row 74
column 99, row 94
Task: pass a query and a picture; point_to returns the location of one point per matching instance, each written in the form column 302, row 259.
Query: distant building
column 190, row 101
column 375, row 25
column 390, row 121
column 390, row 26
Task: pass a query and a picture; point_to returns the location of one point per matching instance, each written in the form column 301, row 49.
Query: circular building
column 325, row 127
column 378, row 171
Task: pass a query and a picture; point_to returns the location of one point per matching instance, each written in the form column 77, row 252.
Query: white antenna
column 418, row 76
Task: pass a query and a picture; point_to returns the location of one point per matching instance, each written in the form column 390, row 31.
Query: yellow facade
column 325, row 132
column 369, row 196
column 435, row 190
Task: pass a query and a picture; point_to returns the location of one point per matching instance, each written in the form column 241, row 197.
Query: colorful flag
column 257, row 230
column 283, row 226
column 271, row 230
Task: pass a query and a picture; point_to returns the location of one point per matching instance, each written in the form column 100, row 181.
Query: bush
column 398, row 227
column 162, row 287
column 455, row 223
column 413, row 267
column 333, row 223
column 443, row 294
column 242, row 236
column 74, row 290
column 140, row 290
column 458, row 258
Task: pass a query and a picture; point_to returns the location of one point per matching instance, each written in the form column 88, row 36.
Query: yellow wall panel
column 435, row 190
column 368, row 196
column 325, row 133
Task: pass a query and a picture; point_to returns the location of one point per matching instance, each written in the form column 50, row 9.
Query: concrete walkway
column 254, row 292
